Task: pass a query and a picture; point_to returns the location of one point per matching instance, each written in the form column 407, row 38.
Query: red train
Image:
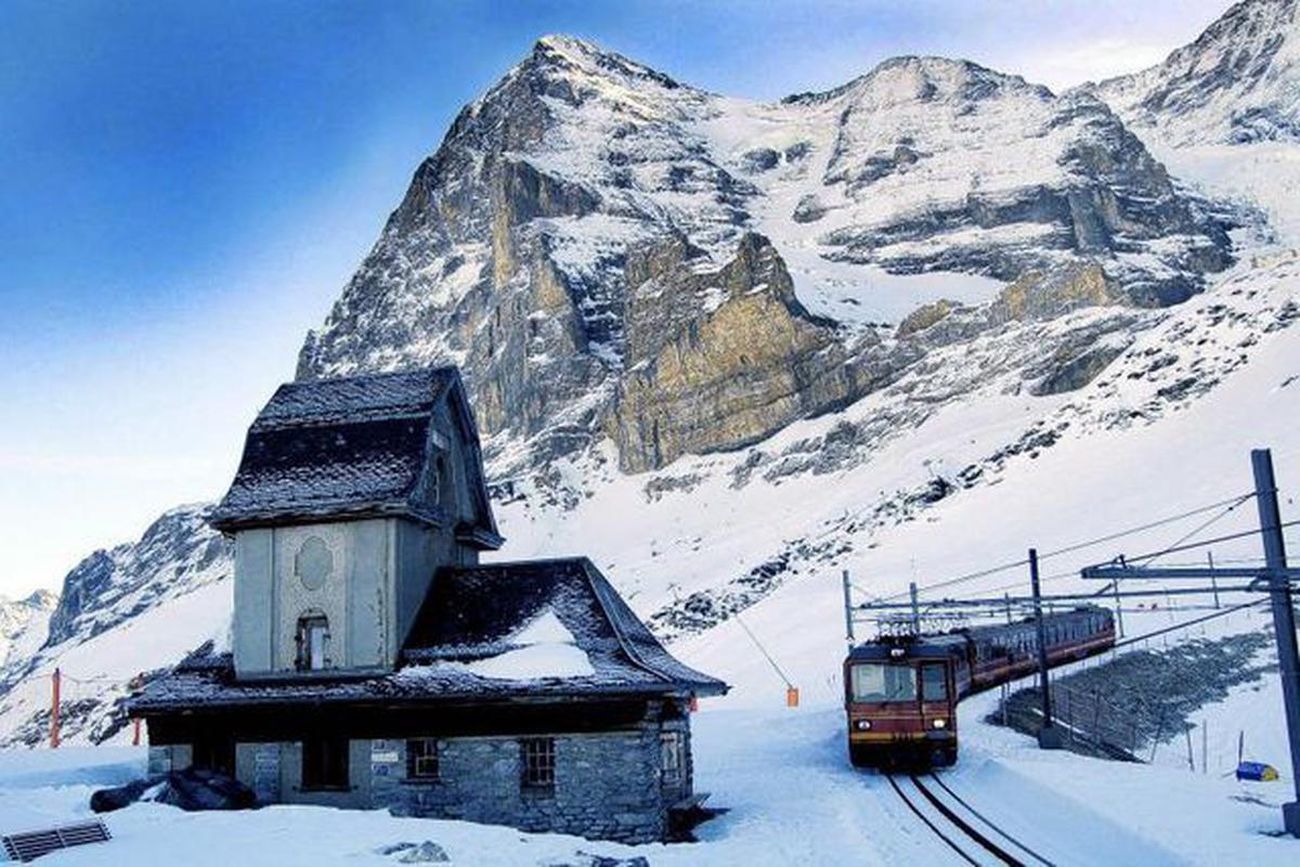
column 901, row 694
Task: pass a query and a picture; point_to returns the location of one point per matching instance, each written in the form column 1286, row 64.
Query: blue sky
column 187, row 186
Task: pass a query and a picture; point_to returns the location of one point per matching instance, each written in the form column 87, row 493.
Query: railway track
column 967, row 832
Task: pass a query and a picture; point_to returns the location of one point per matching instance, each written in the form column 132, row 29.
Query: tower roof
column 355, row 447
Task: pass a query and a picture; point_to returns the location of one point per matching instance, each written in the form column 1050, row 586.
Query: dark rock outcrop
column 192, row 789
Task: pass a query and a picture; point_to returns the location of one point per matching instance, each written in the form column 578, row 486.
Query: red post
column 54, row 711
column 135, row 738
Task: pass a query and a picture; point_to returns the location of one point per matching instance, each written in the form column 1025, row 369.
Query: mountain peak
column 1238, row 82
column 917, row 77
column 572, row 55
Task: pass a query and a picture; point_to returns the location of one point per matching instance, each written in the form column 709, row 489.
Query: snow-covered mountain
column 608, row 252
column 728, row 348
column 102, row 604
column 24, row 625
column 1223, row 113
column 1238, row 83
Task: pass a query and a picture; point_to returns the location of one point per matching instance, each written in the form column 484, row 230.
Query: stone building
column 375, row 662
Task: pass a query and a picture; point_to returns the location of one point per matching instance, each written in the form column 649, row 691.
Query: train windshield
column 934, row 682
column 881, row 682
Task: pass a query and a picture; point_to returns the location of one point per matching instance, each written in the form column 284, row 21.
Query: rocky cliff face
column 605, row 251
column 177, row 554
column 1239, row 82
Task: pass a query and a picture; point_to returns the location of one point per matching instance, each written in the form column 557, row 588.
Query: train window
column 934, row 682
column 875, row 681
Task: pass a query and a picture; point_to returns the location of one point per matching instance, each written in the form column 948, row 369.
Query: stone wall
column 607, row 785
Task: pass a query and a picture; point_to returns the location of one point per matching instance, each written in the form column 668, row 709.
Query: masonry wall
column 608, row 785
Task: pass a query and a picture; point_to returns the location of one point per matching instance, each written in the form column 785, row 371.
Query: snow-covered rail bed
column 962, row 828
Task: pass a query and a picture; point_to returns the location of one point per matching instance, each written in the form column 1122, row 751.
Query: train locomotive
column 901, row 694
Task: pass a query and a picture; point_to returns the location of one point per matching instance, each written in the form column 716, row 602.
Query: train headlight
column 863, row 725
column 940, row 723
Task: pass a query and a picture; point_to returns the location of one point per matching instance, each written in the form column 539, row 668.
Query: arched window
column 313, row 641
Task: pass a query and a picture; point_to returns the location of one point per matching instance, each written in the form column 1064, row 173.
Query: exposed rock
column 1041, row 295
column 925, row 316
column 809, row 210
column 722, row 377
column 1074, row 372
column 427, row 852
column 761, row 159
column 191, row 789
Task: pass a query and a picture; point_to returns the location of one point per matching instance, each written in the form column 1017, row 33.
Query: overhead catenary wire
column 1231, row 502
column 1199, row 528
column 1214, row 541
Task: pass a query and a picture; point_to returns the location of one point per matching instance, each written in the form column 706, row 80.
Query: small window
column 313, row 642
column 537, row 756
column 439, row 486
column 671, row 757
column 325, row 763
column 214, row 753
column 422, row 759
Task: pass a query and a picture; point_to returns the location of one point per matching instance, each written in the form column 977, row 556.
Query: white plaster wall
column 293, row 599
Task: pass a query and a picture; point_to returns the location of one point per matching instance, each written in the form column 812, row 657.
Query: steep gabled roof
column 473, row 616
column 477, row 613
column 353, row 447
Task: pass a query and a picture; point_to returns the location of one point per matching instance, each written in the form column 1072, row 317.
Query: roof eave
column 232, row 521
column 479, row 537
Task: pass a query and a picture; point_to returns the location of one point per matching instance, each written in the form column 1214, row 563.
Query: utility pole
column 1048, row 737
column 1119, row 609
column 54, row 709
column 1270, row 527
column 1214, row 581
column 848, row 610
column 916, row 610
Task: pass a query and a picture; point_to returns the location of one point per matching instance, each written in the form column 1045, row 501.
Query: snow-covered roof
column 351, row 447
column 532, row 629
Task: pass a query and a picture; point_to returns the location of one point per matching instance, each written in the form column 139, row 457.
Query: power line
column 1197, row 530
column 1186, row 623
column 1228, row 538
column 1231, row 502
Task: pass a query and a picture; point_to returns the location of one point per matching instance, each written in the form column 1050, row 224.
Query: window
column 313, row 642
column 324, row 763
column 422, row 759
column 875, row 681
column 537, row 757
column 439, row 480
column 214, row 753
column 671, row 757
column 934, row 682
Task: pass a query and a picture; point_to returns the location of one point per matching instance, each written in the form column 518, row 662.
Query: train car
column 901, row 694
